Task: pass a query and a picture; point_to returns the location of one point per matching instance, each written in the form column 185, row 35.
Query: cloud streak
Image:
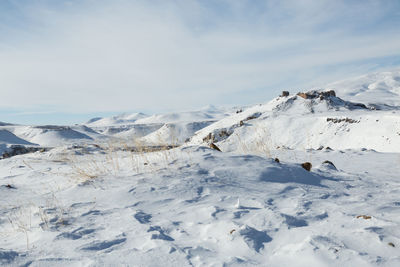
column 112, row 56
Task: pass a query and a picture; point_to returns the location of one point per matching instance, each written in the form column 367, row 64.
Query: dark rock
column 329, row 162
column 277, row 160
column 317, row 94
column 348, row 120
column 209, row 138
column 15, row 150
column 10, row 186
column 307, row 166
column 214, row 146
column 285, row 94
column 254, row 116
column 360, row 105
column 223, row 133
column 328, row 93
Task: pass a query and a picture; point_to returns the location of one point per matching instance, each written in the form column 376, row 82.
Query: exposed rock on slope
column 307, row 120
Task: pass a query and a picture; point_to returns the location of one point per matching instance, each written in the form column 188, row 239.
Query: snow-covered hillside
column 308, row 179
column 195, row 206
column 313, row 120
column 136, row 128
column 165, row 129
column 382, row 88
column 116, row 120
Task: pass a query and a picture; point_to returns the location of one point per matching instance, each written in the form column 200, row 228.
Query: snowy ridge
column 306, row 122
column 4, row 123
column 7, row 137
column 50, row 135
column 174, row 133
column 209, row 113
column 115, row 120
column 382, row 88
column 165, row 129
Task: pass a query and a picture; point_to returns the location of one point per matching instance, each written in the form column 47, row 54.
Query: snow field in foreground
column 196, row 206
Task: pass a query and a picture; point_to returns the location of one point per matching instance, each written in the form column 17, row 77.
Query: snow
column 209, row 113
column 174, row 133
column 377, row 88
column 7, row 137
column 298, row 123
column 125, row 118
column 50, row 135
column 197, row 206
column 96, row 200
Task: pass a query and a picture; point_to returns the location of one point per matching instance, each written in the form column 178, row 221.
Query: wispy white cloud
column 86, row 56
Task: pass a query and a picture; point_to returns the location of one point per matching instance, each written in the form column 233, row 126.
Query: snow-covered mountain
column 311, row 120
column 164, row 129
column 382, row 88
column 4, row 123
column 125, row 118
column 306, row 179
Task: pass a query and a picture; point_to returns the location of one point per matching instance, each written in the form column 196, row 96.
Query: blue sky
column 67, row 61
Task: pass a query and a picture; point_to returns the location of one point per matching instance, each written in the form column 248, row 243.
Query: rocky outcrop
column 15, row 150
column 285, row 94
column 217, row 136
column 348, row 120
column 317, row 94
column 214, row 146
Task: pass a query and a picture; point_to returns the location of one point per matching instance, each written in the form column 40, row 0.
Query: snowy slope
column 174, row 133
column 159, row 129
column 125, row 118
column 7, row 137
column 209, row 113
column 51, row 135
column 103, row 203
column 198, row 207
column 377, row 88
column 297, row 123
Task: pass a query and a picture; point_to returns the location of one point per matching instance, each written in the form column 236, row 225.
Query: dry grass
column 120, row 156
column 20, row 219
